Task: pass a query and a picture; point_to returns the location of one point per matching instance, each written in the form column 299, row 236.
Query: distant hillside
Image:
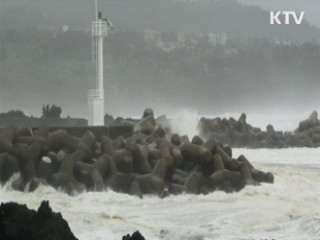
column 139, row 73
column 40, row 63
column 166, row 16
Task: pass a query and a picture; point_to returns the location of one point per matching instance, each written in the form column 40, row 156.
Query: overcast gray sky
column 311, row 7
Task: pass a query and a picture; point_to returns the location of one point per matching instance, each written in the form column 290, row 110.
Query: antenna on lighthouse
column 100, row 28
column 2, row 52
column 96, row 9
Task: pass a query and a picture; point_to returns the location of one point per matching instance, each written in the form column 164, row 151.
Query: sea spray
column 289, row 209
column 185, row 122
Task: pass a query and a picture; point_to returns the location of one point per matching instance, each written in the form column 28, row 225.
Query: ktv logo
column 286, row 17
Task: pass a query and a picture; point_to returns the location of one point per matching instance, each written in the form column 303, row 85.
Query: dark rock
column 17, row 222
column 135, row 236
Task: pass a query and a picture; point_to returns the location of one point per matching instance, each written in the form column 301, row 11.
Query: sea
column 289, row 209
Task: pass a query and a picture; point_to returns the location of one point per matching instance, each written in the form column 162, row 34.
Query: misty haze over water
column 215, row 57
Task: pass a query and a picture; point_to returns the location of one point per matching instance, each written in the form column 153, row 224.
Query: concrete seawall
column 42, row 122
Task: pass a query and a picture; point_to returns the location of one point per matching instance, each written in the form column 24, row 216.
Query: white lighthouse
column 100, row 28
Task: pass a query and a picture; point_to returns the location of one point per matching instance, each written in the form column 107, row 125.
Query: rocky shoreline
column 238, row 133
column 152, row 161
column 17, row 222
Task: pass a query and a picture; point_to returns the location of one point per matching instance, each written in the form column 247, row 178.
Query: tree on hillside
column 13, row 114
column 51, row 112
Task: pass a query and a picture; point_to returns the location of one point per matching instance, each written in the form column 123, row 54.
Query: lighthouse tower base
column 96, row 108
